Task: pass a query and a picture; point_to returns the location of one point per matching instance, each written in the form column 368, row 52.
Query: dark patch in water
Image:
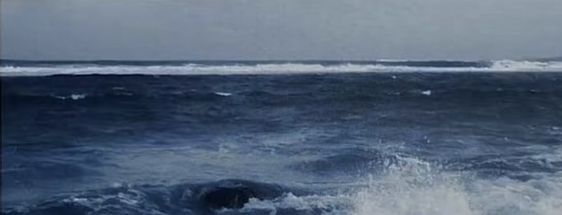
column 147, row 199
column 236, row 193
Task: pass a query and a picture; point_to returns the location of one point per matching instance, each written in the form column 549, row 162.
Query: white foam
column 415, row 187
column 412, row 187
column 426, row 92
column 511, row 65
column 72, row 96
column 338, row 204
column 269, row 68
column 223, row 94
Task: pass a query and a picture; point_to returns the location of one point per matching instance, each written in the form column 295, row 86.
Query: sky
column 279, row 29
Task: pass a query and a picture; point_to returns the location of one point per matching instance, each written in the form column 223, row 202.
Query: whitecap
column 72, row 97
column 271, row 68
column 223, row 94
column 426, row 92
column 416, row 187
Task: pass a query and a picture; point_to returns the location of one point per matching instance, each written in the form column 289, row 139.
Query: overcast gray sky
column 280, row 29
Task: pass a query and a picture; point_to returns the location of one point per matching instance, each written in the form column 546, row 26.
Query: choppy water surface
column 373, row 143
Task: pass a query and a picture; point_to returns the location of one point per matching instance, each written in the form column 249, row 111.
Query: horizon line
column 273, row 60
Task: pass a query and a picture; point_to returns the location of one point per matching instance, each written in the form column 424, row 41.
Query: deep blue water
column 370, row 143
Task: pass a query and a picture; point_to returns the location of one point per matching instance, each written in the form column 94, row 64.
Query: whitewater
column 25, row 68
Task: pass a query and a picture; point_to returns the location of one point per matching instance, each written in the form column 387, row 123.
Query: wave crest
column 279, row 68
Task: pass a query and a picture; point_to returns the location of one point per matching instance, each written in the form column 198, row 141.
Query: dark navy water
column 366, row 143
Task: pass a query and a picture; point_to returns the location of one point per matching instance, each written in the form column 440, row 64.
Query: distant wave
column 223, row 94
column 511, row 65
column 17, row 68
column 72, row 97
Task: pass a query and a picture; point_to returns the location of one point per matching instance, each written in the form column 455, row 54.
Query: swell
column 199, row 198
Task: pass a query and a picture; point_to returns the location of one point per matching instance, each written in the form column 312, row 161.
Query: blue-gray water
column 363, row 143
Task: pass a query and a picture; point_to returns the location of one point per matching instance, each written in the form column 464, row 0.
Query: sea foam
column 272, row 68
column 415, row 187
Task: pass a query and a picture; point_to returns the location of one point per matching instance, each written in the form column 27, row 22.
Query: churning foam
column 417, row 187
column 414, row 187
column 268, row 68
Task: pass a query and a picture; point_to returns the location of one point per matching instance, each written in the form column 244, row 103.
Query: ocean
column 316, row 137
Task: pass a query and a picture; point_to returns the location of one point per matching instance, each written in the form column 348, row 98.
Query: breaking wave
column 71, row 97
column 11, row 68
column 412, row 186
column 406, row 187
column 418, row 187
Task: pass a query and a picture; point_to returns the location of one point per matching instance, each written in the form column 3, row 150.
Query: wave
column 409, row 186
column 205, row 198
column 57, row 98
column 418, row 187
column 241, row 68
column 71, row 97
column 412, row 186
column 511, row 65
column 225, row 94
